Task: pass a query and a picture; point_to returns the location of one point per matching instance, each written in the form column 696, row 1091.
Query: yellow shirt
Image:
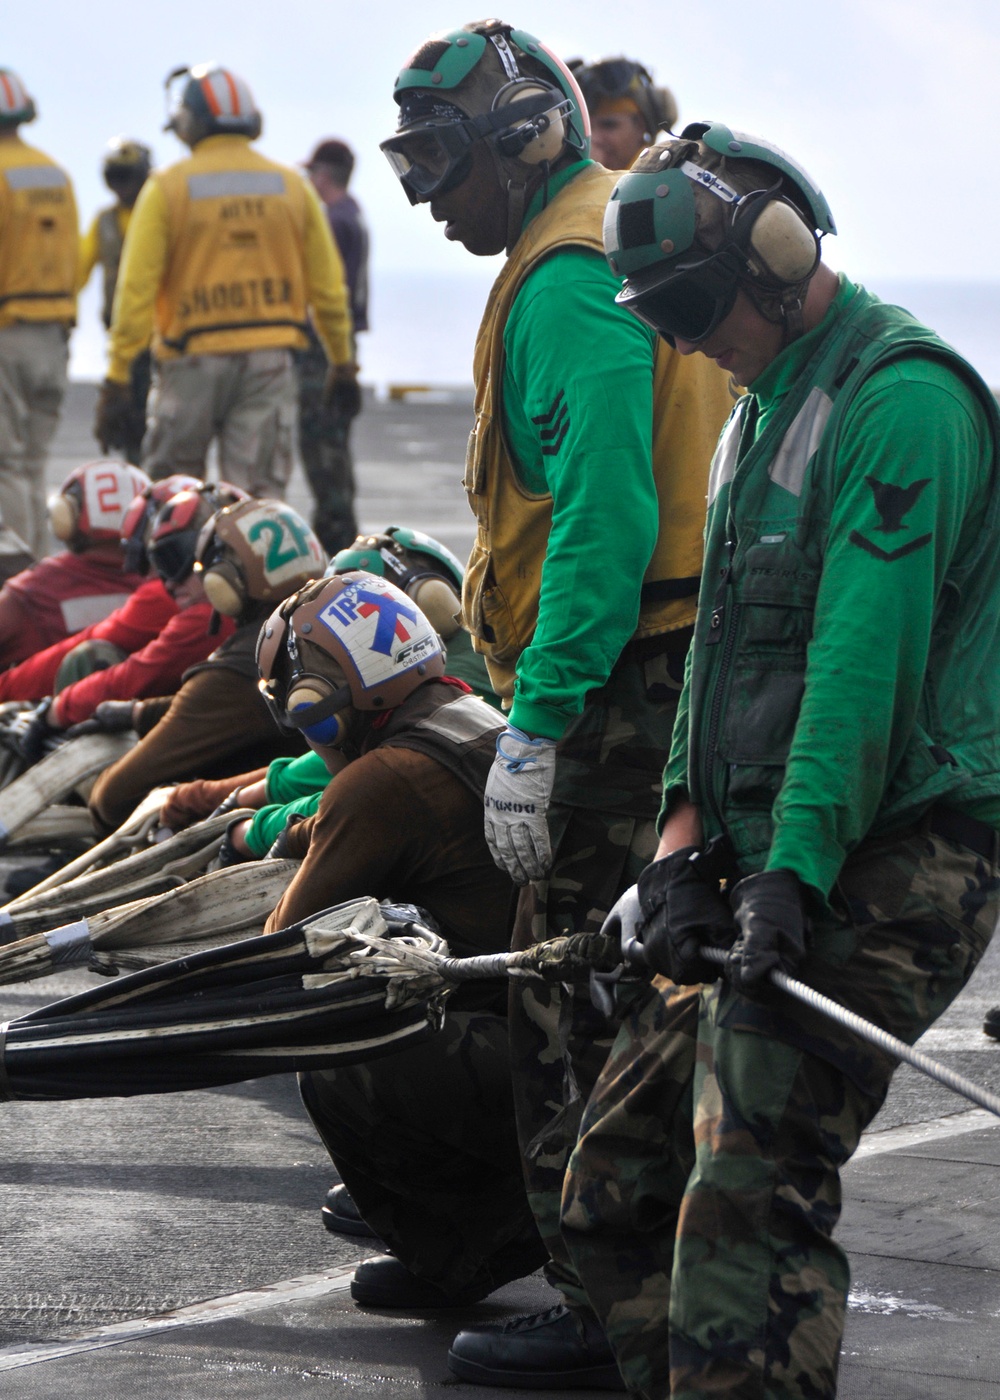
column 227, row 251
column 39, row 237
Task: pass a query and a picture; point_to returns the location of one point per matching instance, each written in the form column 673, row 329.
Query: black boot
column 342, row 1217
column 553, row 1350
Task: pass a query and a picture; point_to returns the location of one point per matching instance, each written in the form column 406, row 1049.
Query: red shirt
column 58, row 597
column 132, row 626
column 156, row 669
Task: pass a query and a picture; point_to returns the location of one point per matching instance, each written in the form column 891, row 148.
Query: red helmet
column 176, row 526
column 139, row 517
column 92, row 503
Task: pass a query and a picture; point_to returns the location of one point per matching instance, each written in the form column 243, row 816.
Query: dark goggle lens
column 615, row 78
column 430, row 161
column 685, row 308
column 173, row 557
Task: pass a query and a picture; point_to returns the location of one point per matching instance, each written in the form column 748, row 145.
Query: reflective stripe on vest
column 36, row 177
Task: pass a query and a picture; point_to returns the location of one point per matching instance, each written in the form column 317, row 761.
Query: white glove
column 516, row 805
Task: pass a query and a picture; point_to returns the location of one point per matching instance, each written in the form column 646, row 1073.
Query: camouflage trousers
column 325, row 449
column 701, row 1197
column 602, row 824
column 425, row 1143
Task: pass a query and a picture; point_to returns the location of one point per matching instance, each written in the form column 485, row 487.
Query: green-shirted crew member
column 227, row 256
column 836, row 758
column 587, row 472
column 39, row 237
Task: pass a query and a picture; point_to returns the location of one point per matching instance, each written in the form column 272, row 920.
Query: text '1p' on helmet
column 420, row 565
column 16, row 105
column 255, row 553
column 699, row 219
column 351, row 642
column 173, row 536
column 486, row 81
column 211, row 101
column 91, row 505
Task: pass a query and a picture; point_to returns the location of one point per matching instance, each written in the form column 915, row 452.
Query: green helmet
column 485, row 81
column 701, row 218
column 422, row 567
column 214, row 101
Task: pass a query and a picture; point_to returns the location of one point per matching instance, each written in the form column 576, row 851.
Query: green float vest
column 773, row 501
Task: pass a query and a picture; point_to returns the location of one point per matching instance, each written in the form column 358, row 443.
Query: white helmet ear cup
column 63, row 517
column 782, row 243
column 440, row 603
column 329, row 732
column 224, row 589
column 548, row 144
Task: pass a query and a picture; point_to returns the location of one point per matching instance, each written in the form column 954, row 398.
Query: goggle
column 172, row 556
column 689, row 302
column 616, row 77
column 435, row 158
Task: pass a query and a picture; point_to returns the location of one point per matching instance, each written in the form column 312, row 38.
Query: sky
column 892, row 106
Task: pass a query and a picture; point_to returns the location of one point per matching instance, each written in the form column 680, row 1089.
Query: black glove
column 228, row 804
column 227, row 853
column 682, row 909
column 278, row 849
column 110, row 717
column 31, row 736
column 342, row 392
column 772, row 926
column 114, row 419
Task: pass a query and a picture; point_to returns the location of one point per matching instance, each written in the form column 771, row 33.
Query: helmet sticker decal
column 278, row 537
column 108, row 494
column 380, row 630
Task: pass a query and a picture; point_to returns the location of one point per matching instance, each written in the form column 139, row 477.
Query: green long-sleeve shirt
column 917, row 428
column 565, row 335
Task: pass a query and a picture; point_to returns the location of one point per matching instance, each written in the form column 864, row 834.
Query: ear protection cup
column 64, row 513
column 781, row 246
column 311, row 691
column 439, row 602
column 224, row 588
column 537, row 139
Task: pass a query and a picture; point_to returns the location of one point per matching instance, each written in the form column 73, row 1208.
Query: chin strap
column 517, row 199
column 793, row 316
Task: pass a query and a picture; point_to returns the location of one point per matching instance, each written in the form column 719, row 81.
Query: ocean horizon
column 424, row 327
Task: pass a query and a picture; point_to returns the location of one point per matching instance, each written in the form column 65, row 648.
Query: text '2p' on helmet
column 255, row 553
column 212, row 101
column 173, row 536
column 421, row 566
column 699, row 219
column 486, row 81
column 355, row 642
column 16, row 105
column 91, row 505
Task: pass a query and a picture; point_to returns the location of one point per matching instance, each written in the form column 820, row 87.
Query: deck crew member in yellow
column 226, row 255
column 39, row 236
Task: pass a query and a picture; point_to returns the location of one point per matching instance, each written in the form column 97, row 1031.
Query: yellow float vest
column 40, row 241
column 691, row 401
column 235, row 276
